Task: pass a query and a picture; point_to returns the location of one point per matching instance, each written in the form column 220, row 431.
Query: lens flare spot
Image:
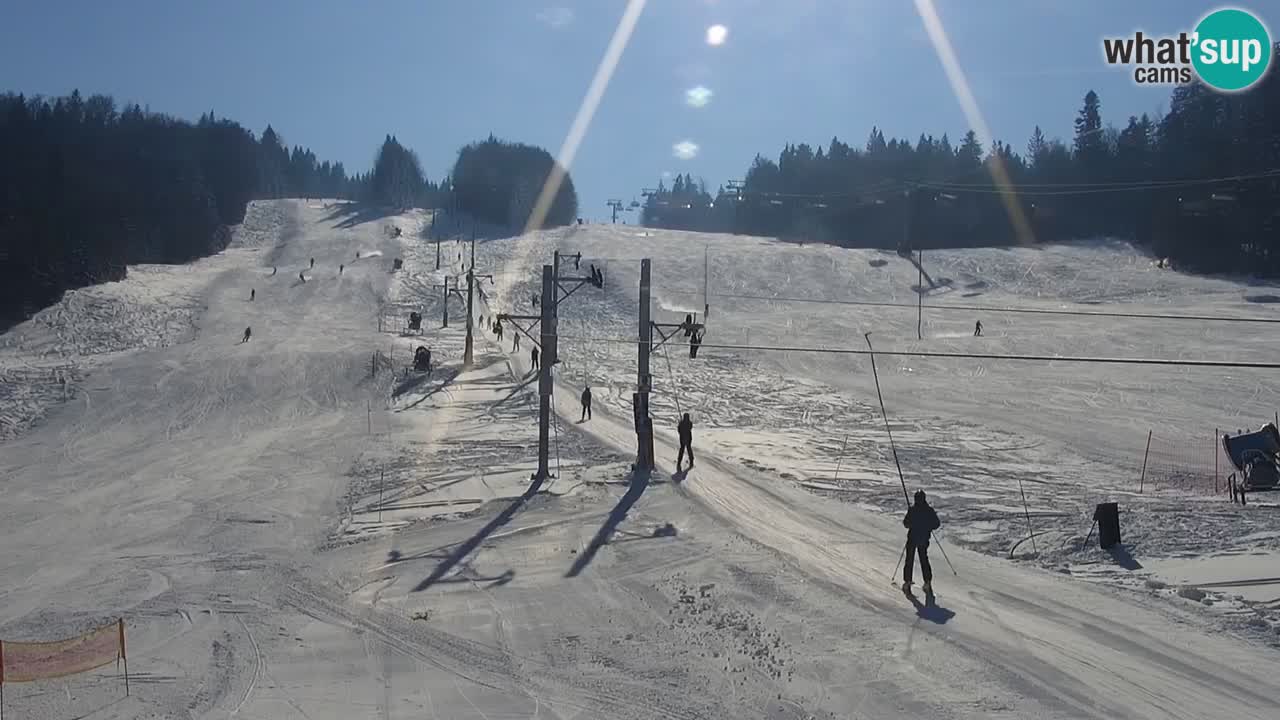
column 685, row 150
column 697, row 96
column 716, row 34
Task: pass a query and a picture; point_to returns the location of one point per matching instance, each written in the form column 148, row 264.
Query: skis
column 908, row 590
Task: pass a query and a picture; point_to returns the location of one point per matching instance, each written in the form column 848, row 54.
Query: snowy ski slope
column 968, row 430
column 291, row 527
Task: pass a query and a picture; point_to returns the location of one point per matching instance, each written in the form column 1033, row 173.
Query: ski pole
column 944, row 557
column 901, row 555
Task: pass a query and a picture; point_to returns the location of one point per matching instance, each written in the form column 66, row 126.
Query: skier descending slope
column 920, row 521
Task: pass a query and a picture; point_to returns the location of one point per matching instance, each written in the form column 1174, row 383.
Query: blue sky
column 337, row 76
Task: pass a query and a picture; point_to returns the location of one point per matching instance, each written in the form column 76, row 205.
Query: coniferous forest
column 88, row 188
column 499, row 182
column 1200, row 185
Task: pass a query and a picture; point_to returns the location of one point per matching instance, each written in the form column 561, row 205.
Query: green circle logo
column 1231, row 49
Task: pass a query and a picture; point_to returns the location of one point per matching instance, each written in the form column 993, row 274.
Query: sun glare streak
column 969, row 106
column 586, row 111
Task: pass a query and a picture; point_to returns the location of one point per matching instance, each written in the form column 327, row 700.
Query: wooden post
column 706, row 303
column 1216, row 452
column 920, row 299
column 1030, row 531
column 1145, row 455
column 841, row 459
column 124, row 656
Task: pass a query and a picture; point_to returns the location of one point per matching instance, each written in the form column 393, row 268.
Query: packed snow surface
column 300, row 526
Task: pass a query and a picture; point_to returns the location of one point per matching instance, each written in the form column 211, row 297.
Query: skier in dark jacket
column 533, row 355
column 919, row 521
column 685, row 430
column 586, row 404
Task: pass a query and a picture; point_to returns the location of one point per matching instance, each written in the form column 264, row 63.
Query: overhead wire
column 1022, row 357
column 1179, row 181
column 989, row 308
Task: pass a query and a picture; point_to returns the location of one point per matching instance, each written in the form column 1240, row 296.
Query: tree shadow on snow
column 463, row 550
column 410, row 382
column 352, row 214
column 446, row 379
column 930, row 610
column 517, row 389
column 639, row 481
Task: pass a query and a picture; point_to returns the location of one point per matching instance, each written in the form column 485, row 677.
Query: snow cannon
column 422, row 359
column 1255, row 456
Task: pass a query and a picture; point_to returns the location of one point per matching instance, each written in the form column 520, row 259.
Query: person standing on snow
column 533, row 355
column 977, row 329
column 252, row 294
column 586, row 404
column 247, row 333
column 920, row 520
column 685, row 430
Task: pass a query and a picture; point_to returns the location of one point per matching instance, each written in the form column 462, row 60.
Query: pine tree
column 969, row 154
column 1037, row 146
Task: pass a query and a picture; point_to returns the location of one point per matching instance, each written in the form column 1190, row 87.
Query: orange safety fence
column 28, row 661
